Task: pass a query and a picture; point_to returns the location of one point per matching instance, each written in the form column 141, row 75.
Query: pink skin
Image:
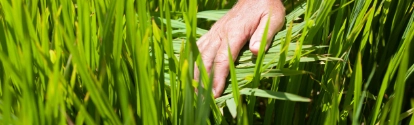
column 246, row 21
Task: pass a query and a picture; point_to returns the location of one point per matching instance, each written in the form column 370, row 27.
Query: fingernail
column 214, row 93
column 257, row 45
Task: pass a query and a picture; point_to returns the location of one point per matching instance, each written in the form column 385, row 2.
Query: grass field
column 132, row 62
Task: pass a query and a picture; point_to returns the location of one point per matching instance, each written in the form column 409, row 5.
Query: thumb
column 276, row 22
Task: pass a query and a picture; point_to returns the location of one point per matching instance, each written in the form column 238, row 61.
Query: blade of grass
column 390, row 71
column 235, row 87
column 275, row 84
column 257, row 72
column 400, row 83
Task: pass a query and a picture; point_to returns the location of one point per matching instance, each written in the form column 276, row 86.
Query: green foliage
column 132, row 62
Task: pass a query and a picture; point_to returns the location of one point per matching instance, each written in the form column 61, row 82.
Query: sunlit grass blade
column 235, row 88
column 390, row 71
column 357, row 81
column 267, row 94
column 275, row 83
column 364, row 94
column 400, row 82
column 410, row 72
column 257, row 71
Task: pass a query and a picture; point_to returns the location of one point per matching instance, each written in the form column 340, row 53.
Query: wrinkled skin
column 246, row 21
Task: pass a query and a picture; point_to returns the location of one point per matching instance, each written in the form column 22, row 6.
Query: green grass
column 132, row 62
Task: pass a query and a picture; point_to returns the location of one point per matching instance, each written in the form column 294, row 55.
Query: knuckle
column 208, row 67
column 205, row 56
column 221, row 59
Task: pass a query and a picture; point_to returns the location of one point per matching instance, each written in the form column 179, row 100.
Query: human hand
column 245, row 21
